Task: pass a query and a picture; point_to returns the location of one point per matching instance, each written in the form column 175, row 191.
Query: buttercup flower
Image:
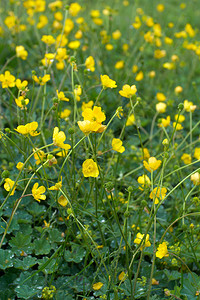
column 117, row 145
column 21, row 85
column 59, row 138
column 8, row 185
column 161, row 107
column 146, row 242
column 21, row 102
column 107, row 82
column 7, row 80
column 41, row 80
column 90, row 168
column 21, row 52
column 131, row 120
column 57, row 186
column 158, row 194
column 19, row 165
column 195, row 178
column 77, row 93
column 48, row 39
column 74, row 45
column 197, row 153
column 165, row 122
column 39, row 156
column 62, row 201
column 162, row 251
column 90, row 64
column 128, row 91
column 186, row 158
column 74, row 9
column 97, row 286
column 61, row 96
column 152, row 164
column 160, row 97
column 38, row 191
column 29, row 128
column 144, row 182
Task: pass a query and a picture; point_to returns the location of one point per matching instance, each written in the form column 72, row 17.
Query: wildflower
column 7, row 80
column 137, row 24
column 152, row 74
column 43, row 20
column 21, row 52
column 197, row 153
column 90, row 64
column 61, row 96
column 122, row 276
column 57, row 186
column 65, row 114
column 87, row 105
column 109, row 47
column 8, row 185
column 69, row 25
column 119, row 65
column 48, row 59
column 41, row 80
column 21, row 85
column 61, row 41
column 186, row 158
column 162, row 250
column 134, row 68
column 179, row 118
column 160, row 7
column 131, row 120
column 144, row 182
column 19, row 166
column 39, row 156
column 138, row 239
column 59, row 138
column 119, row 112
column 38, row 191
column 177, row 125
column 95, row 115
column 97, row 286
column 78, row 35
column 116, row 34
column 77, row 93
column 21, row 102
column 158, row 194
column 48, row 39
column 155, row 282
column 165, row 122
column 74, row 9
column 152, row 164
column 90, row 168
column 107, row 82
column 87, row 126
column 178, row 89
column 117, row 145
column 29, row 128
column 161, row 107
column 195, row 178
column 62, row 200
column 128, row 91
column 97, row 21
column 188, row 106
column 139, row 76
column 159, row 53
column 55, row 5
column 74, row 45
column 160, row 97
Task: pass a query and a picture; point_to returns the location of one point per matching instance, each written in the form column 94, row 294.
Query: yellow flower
column 180, row 118
column 158, row 194
column 48, row 59
column 74, row 9
column 160, row 7
column 21, row 85
column 138, row 239
column 116, row 34
column 197, row 153
column 77, row 93
column 107, row 82
column 90, row 64
column 87, row 105
column 48, row 39
column 152, row 74
column 7, row 80
column 95, row 115
column 39, row 156
column 195, row 178
column 152, row 165
column 131, row 120
column 161, row 107
column 19, row 165
column 62, row 201
column 95, row 13
column 134, row 68
column 38, row 191
column 90, row 168
column 74, row 45
column 119, row 65
column 117, row 145
column 109, row 47
column 55, row 5
column 41, row 80
column 139, row 76
column 178, row 89
column 160, row 97
column 65, row 114
column 87, row 126
column 57, row 186
column 188, row 106
column 61, row 96
column 97, row 286
column 122, row 276
column 128, row 91
column 29, row 128
column 43, row 20
column 21, row 102
column 162, row 250
column 59, row 138
column 144, row 182
column 165, row 122
column 186, row 158
column 177, row 125
column 159, row 53
column 78, row 35
column 21, row 52
column 8, row 185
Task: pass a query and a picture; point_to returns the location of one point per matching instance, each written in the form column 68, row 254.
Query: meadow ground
column 100, row 150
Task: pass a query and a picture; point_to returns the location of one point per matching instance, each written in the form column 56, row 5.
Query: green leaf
column 191, row 284
column 20, row 241
column 36, row 209
column 42, row 246
column 174, row 275
column 26, row 263
column 76, row 255
column 51, row 267
column 6, row 260
column 55, row 236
